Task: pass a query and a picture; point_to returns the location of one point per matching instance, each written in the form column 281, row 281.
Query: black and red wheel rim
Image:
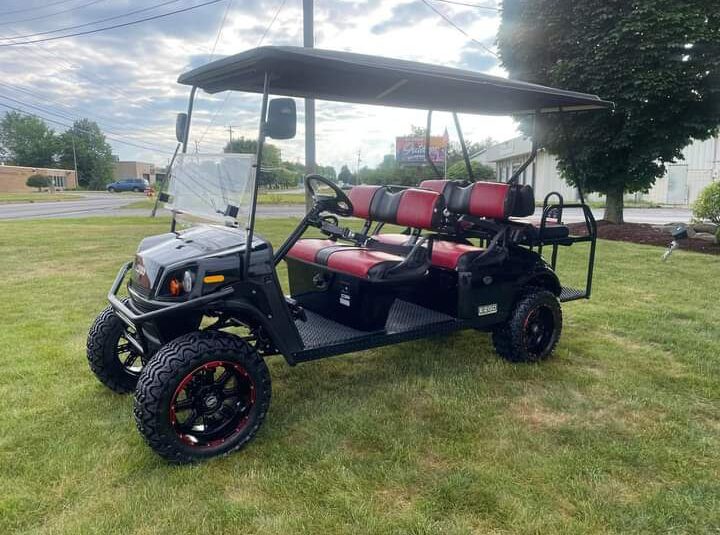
column 129, row 356
column 538, row 330
column 212, row 404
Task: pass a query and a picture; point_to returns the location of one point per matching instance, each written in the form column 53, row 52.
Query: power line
column 88, row 4
column 279, row 9
column 123, row 25
column 458, row 28
column 220, row 29
column 70, row 118
column 477, row 6
column 45, row 53
column 227, row 97
column 96, row 118
column 35, row 8
column 70, row 126
column 135, row 12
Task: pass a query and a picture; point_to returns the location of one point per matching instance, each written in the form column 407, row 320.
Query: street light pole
column 309, row 42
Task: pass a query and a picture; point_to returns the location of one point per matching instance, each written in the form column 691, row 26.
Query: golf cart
column 465, row 257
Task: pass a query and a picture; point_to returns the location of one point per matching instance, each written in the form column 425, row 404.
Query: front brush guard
column 159, row 308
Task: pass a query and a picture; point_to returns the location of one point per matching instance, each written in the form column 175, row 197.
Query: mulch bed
column 645, row 234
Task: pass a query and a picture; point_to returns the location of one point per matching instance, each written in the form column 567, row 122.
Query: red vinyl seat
column 445, row 254
column 415, row 208
column 355, row 261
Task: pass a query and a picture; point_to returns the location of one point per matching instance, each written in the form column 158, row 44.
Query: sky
column 125, row 79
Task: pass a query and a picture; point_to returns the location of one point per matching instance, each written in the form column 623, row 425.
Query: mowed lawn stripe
column 618, row 433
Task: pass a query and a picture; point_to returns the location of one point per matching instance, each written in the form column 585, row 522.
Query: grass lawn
column 11, row 198
column 618, row 433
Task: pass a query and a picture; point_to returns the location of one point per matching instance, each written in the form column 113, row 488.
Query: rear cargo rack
column 555, row 212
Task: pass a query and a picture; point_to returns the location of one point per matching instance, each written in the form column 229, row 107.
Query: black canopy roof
column 362, row 79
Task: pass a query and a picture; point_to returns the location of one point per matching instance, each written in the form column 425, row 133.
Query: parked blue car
column 128, row 184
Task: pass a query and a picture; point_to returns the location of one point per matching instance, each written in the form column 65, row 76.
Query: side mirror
column 281, row 119
column 181, row 127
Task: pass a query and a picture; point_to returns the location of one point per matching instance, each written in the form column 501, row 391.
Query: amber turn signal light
column 213, row 279
column 175, row 287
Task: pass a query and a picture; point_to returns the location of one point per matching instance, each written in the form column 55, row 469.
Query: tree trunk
column 614, row 206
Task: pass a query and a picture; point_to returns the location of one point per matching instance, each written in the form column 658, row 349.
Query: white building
column 681, row 184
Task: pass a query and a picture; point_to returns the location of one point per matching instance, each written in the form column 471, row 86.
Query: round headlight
column 187, row 281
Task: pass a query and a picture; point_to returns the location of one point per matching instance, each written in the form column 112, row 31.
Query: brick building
column 13, row 178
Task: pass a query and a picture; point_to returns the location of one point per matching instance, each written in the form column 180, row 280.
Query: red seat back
column 494, row 200
column 412, row 207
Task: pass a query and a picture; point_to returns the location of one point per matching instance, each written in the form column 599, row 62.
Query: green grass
column 618, row 433
column 11, row 198
column 263, row 198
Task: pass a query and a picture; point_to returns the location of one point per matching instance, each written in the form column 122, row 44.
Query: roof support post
column 189, row 118
column 191, row 103
column 571, row 156
column 463, row 146
column 258, row 167
column 427, row 145
column 310, row 156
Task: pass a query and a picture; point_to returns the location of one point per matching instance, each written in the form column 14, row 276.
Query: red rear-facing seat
column 496, row 200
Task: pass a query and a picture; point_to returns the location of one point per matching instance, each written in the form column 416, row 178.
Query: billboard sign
column 410, row 150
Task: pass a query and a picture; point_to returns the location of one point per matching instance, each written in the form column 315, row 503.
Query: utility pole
column 309, row 42
column 77, row 179
column 357, row 169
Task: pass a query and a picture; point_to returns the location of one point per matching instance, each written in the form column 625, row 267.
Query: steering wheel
column 338, row 204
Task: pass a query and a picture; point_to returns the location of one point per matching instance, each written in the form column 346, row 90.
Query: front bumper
column 157, row 309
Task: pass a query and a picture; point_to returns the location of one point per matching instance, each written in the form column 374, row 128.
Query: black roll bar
column 466, row 156
column 186, row 137
column 427, row 146
column 258, row 163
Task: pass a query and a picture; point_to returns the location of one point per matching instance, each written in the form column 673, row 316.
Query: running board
column 572, row 294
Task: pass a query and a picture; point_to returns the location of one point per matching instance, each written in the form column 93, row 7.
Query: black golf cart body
column 465, row 260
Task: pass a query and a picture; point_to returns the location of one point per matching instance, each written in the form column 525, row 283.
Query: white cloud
column 126, row 78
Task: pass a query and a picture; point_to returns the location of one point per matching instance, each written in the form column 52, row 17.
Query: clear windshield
column 215, row 187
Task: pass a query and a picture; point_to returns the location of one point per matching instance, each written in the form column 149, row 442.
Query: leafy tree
column 658, row 60
column 94, row 154
column 37, row 181
column 480, row 171
column 345, row 176
column 271, row 158
column 27, row 140
column 455, row 150
column 271, row 154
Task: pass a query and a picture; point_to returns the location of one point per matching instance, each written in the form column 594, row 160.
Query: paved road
column 105, row 204
column 90, row 204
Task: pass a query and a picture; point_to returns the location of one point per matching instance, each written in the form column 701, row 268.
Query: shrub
column 707, row 206
column 37, row 181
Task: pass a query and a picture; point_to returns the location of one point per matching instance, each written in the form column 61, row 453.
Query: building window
column 58, row 181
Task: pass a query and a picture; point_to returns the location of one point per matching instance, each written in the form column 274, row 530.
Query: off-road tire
column 511, row 339
column 102, row 343
column 165, row 372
